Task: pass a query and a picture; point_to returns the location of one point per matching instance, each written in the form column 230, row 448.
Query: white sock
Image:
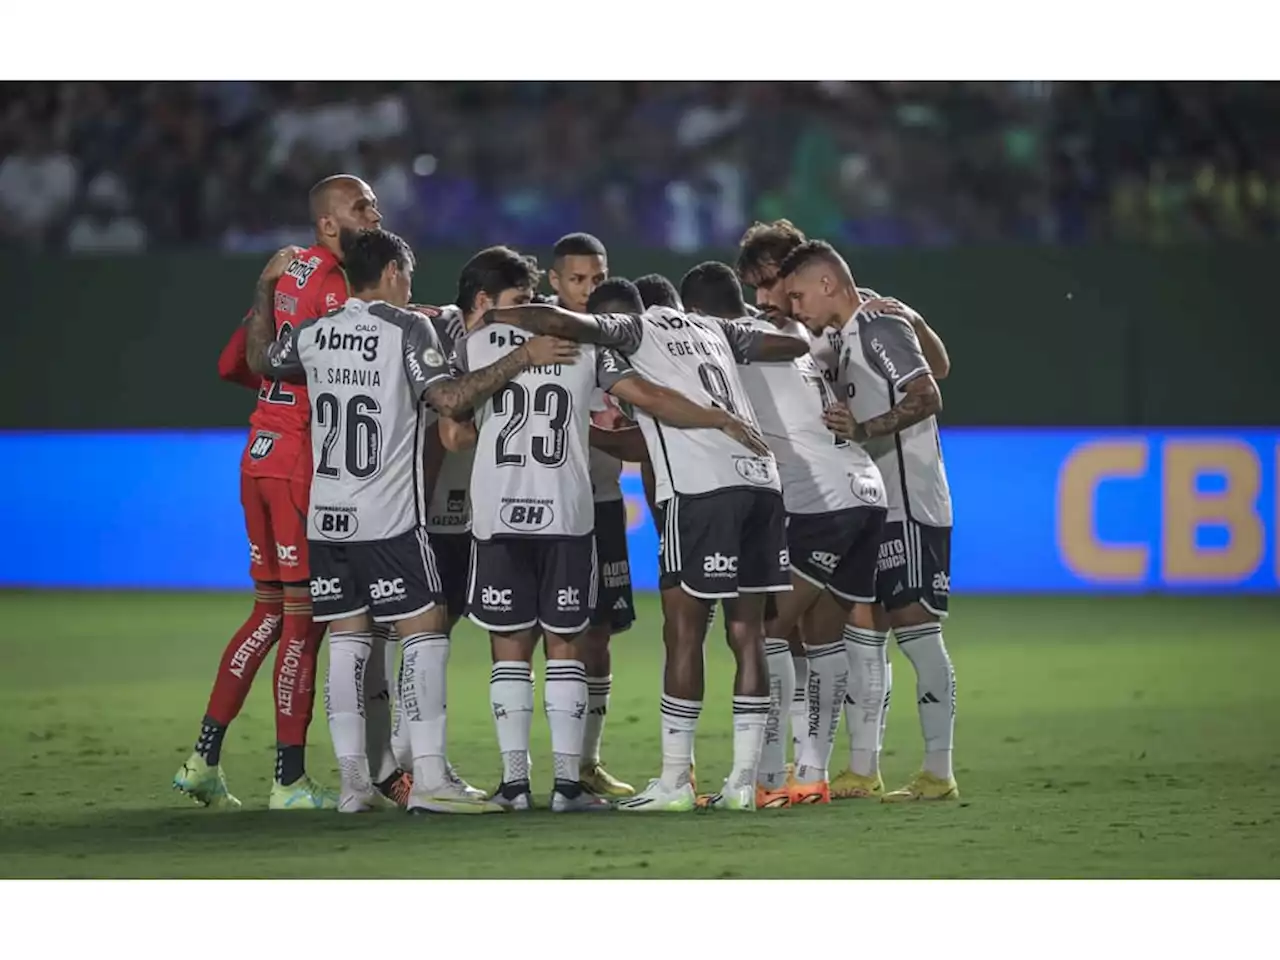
column 864, row 703
column 828, row 681
column 679, row 727
column 377, row 704
column 799, row 712
column 425, row 705
column 598, row 690
column 935, row 692
column 345, row 703
column 782, row 682
column 511, row 699
column 564, row 696
column 888, row 698
column 401, row 748
column 750, row 716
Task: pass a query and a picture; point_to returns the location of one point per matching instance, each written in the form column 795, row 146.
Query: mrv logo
column 366, row 344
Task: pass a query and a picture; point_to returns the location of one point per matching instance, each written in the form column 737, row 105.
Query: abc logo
column 255, row 555
column 335, row 524
column 719, row 563
column 784, row 558
column 493, row 597
column 569, row 598
column 941, row 583
column 527, row 516
column 827, row 561
column 331, row 587
column 386, row 589
column 286, row 554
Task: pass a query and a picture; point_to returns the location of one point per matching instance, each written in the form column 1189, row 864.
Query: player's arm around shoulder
column 265, row 355
column 935, row 351
column 752, row 344
column 621, row 332
column 455, row 393
column 677, row 410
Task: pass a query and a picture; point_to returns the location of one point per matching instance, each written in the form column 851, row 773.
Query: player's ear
column 553, row 278
column 483, row 302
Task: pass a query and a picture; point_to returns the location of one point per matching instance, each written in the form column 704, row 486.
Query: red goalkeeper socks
column 295, row 686
column 241, row 660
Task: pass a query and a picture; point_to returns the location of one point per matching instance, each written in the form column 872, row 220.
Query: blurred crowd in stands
column 122, row 167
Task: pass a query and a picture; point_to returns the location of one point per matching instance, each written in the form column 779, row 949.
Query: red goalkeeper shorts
column 275, row 518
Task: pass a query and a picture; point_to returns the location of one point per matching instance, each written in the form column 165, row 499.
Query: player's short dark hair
column 577, row 245
column 366, row 253
column 615, row 295
column 493, row 270
column 712, row 288
column 657, row 291
column 811, row 251
column 766, row 245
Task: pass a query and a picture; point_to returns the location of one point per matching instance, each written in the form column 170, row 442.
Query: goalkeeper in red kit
column 275, row 482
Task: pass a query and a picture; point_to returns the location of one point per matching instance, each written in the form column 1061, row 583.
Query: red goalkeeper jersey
column 279, row 439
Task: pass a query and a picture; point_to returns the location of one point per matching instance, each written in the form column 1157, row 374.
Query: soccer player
column 446, row 479
column 579, row 265
column 762, row 250
column 722, row 520
column 834, row 498
column 534, row 563
column 891, row 409
column 275, row 478
column 370, row 367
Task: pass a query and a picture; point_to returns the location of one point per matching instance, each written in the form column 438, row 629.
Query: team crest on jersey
column 262, row 445
column 286, row 303
column 755, row 470
column 432, row 357
column 457, row 501
column 301, row 270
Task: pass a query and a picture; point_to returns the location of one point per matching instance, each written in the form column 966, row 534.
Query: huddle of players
column 700, row 381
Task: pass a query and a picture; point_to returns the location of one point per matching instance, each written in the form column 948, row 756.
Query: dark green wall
column 1037, row 335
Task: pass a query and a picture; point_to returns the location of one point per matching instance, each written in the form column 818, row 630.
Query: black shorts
column 719, row 544
column 615, row 607
column 914, row 566
column 838, row 550
column 521, row 582
column 453, row 559
column 389, row 579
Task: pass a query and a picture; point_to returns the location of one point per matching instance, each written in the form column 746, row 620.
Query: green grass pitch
column 1096, row 737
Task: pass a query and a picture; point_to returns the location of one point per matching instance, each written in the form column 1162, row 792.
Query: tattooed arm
column 260, row 331
column 453, row 396
column 921, row 399
column 622, row 332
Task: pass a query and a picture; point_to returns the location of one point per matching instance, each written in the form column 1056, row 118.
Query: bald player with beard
column 275, row 481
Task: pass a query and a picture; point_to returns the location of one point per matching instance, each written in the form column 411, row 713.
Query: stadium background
column 1097, row 256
